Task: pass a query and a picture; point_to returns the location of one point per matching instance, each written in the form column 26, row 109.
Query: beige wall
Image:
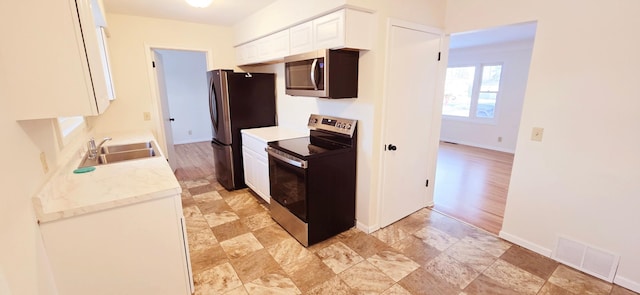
column 581, row 180
column 130, row 38
column 23, row 263
column 294, row 111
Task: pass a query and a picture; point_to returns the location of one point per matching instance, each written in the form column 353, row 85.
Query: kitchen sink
column 127, row 147
column 126, row 156
column 120, row 153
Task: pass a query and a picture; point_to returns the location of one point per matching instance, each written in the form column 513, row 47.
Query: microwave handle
column 313, row 73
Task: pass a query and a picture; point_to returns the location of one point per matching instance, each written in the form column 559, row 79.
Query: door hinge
column 439, row 53
column 153, row 63
column 427, row 183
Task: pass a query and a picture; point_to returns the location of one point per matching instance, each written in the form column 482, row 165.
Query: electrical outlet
column 43, row 161
column 190, row 132
column 536, row 133
column 147, row 116
column 499, row 138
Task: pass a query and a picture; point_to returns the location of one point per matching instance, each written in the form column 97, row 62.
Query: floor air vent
column 585, row 258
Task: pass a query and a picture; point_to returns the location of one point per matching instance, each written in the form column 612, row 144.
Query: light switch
column 536, row 133
column 147, row 116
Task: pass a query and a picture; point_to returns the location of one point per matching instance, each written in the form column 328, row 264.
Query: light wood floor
column 194, row 161
column 472, row 183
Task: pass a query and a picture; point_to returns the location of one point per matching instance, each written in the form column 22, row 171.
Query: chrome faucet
column 94, row 151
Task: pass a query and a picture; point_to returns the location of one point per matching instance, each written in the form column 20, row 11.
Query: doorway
column 182, row 96
column 487, row 73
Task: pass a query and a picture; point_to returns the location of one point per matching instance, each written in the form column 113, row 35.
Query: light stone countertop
column 109, row 186
column 267, row 134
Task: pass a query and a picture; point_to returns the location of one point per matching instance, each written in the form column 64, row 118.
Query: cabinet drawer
column 254, row 144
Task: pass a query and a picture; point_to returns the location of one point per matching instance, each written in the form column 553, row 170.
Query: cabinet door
column 261, row 170
column 251, row 52
column 116, row 251
column 246, row 53
column 301, row 38
column 273, row 47
column 248, row 163
column 328, row 31
column 279, row 45
column 96, row 54
column 50, row 72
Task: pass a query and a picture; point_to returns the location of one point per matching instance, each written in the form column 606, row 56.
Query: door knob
column 392, row 147
column 172, row 119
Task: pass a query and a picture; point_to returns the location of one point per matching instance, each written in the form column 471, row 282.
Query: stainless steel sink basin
column 120, row 153
column 126, row 156
column 127, row 147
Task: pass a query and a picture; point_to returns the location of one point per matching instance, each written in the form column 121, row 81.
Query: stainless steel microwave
column 323, row 73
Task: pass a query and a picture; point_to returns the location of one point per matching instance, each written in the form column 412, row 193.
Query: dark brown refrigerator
column 237, row 101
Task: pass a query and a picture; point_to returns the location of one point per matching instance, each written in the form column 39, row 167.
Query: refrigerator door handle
column 213, row 111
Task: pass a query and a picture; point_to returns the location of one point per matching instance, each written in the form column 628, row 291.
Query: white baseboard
column 618, row 280
column 367, row 229
column 482, row 146
column 525, row 244
column 627, row 283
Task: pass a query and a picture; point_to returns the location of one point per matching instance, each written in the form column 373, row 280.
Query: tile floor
column 236, row 248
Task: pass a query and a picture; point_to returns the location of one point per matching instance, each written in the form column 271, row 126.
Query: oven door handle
column 293, row 161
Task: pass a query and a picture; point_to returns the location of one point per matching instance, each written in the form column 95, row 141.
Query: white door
column 169, row 149
column 412, row 67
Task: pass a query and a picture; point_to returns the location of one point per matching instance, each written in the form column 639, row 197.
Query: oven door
column 288, row 182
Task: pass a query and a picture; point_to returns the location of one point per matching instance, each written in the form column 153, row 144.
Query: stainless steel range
column 313, row 180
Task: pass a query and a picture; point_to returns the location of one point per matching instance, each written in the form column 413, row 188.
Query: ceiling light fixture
column 199, row 3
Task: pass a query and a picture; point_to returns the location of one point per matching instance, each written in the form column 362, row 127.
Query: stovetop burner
column 307, row 147
column 328, row 135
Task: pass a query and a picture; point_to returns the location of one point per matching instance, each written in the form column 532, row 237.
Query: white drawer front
column 254, row 144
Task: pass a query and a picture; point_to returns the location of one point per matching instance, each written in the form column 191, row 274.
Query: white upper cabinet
column 301, row 38
column 266, row 49
column 345, row 28
column 54, row 58
column 274, row 46
column 328, row 31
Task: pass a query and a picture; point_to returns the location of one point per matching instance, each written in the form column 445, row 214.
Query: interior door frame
column 156, row 106
column 436, row 116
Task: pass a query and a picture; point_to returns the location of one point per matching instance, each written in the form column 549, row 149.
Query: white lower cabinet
column 255, row 158
column 134, row 249
column 256, row 166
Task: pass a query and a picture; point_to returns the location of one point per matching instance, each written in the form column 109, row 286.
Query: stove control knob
column 339, row 125
column 347, row 126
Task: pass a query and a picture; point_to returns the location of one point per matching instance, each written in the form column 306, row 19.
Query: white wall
column 294, row 111
column 24, row 267
column 131, row 37
column 515, row 58
column 581, row 180
column 186, row 82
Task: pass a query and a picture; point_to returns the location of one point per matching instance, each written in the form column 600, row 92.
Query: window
column 68, row 127
column 472, row 91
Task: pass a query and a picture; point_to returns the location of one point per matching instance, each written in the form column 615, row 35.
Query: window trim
column 475, row 94
column 69, row 128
